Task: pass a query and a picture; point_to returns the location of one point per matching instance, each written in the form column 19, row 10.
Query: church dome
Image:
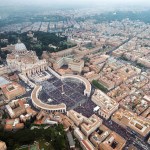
column 20, row 46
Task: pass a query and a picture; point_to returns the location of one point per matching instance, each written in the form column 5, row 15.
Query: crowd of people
column 47, row 86
column 54, row 91
column 86, row 109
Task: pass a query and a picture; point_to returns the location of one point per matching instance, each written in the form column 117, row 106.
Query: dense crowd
column 55, row 91
column 86, row 109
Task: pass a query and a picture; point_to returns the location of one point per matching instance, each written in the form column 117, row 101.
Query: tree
column 52, row 134
column 86, row 59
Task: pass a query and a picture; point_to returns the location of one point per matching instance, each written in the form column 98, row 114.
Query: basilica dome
column 20, row 46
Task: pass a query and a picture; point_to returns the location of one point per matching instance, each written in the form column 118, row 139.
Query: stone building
column 25, row 61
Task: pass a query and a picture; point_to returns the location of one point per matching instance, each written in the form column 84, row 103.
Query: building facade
column 107, row 105
column 25, row 61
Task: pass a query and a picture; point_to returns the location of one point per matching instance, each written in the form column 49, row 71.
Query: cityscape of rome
column 74, row 75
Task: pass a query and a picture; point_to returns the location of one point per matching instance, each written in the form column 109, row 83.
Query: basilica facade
column 24, row 61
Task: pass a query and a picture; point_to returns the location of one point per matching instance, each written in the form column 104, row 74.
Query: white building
column 107, row 105
column 25, row 61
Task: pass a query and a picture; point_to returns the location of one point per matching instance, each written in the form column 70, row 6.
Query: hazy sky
column 76, row 2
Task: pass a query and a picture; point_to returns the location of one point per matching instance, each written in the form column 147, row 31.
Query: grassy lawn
column 41, row 144
column 98, row 85
column 44, row 146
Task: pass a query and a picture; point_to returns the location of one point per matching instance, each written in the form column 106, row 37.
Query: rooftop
column 3, row 81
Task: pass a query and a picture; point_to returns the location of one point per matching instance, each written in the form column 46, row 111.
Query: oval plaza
column 62, row 98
